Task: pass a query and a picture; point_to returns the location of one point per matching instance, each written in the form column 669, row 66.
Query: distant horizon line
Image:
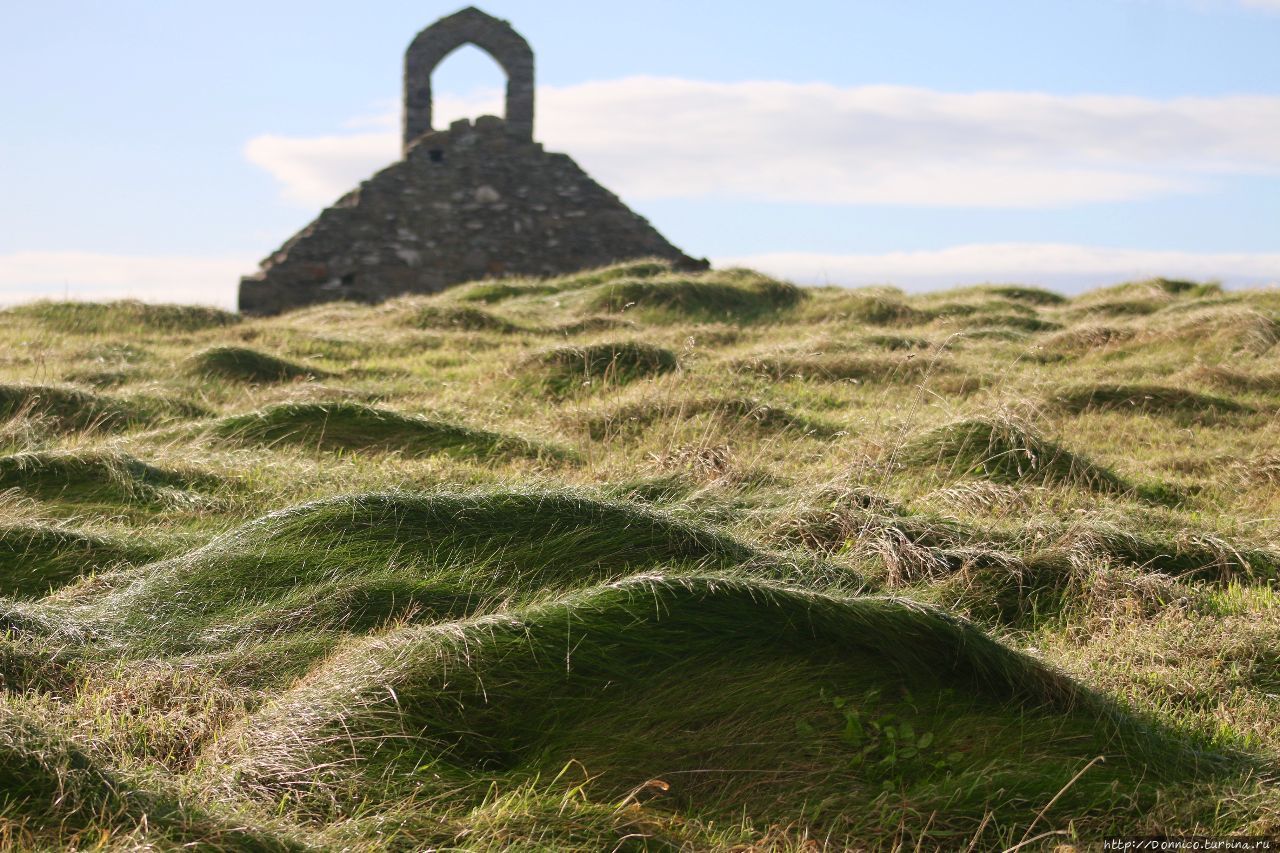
column 1064, row 268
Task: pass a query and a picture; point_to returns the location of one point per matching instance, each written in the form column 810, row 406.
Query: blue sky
column 159, row 149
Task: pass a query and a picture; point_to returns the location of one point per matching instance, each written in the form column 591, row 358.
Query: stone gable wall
column 467, row 203
column 471, row 202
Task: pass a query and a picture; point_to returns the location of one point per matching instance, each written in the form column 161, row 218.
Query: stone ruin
column 475, row 201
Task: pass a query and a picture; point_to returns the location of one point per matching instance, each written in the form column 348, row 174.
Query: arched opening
column 491, row 35
column 467, row 83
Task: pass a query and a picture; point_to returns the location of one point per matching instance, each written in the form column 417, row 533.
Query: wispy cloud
column 815, row 143
column 1065, row 267
column 316, row 170
column 91, row 275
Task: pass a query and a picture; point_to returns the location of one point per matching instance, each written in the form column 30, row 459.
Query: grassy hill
column 640, row 560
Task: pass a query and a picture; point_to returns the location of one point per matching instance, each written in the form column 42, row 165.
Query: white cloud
column 90, row 275
column 317, row 170
column 1065, row 267
column 1269, row 5
column 816, row 143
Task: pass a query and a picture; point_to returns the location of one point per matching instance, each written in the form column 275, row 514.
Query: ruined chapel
column 478, row 200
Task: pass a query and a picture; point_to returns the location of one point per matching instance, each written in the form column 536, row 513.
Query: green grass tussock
column 1139, row 299
column 464, row 318
column 354, row 562
column 1016, row 322
column 1145, row 399
column 1037, row 296
column 1188, row 554
column 346, row 427
column 736, row 412
column 1163, row 289
column 98, row 318
column 1083, row 339
column 841, row 367
column 898, row 342
column 872, row 308
column 641, row 268
column 36, row 559
column 590, row 325
column 642, row 558
column 53, row 794
column 95, row 477
column 874, row 694
column 1232, row 329
column 732, row 296
column 244, row 364
column 1238, row 380
column 69, row 409
column 1008, row 452
column 566, row 369
column 502, row 290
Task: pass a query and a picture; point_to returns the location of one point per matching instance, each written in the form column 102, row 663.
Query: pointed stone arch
column 492, row 35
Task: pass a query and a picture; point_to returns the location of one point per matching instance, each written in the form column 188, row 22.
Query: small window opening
column 349, row 279
column 437, row 155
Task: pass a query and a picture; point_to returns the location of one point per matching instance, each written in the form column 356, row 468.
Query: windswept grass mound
column 1014, row 322
column 1011, row 308
column 841, row 367
column 1037, row 296
column 55, row 795
column 1028, row 575
column 730, row 295
column 68, row 409
column 1145, row 399
column 599, row 562
column 36, row 559
column 96, row 477
column 639, row 268
column 1229, row 329
column 1139, row 298
column 1266, row 382
column 93, row 318
column 346, row 427
column 874, row 696
column 898, row 342
column 498, row 291
column 463, row 318
column 872, row 307
column 1166, row 289
column 733, row 412
column 354, row 562
column 1187, row 554
column 1008, row 452
column 244, row 364
column 565, row 369
column 589, row 325
column 1086, row 338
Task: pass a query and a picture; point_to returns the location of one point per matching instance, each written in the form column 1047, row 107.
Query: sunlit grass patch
column 244, row 364
column 1005, row 450
column 87, row 318
column 734, row 295
column 565, row 369
column 1145, row 399
column 68, row 408
column 642, row 558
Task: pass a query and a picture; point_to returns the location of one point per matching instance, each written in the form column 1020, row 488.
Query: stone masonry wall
column 467, row 203
column 493, row 35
